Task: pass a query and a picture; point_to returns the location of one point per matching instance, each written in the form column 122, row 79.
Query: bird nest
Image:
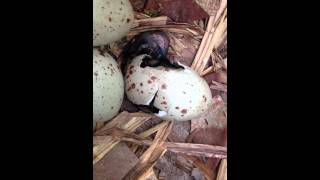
column 202, row 46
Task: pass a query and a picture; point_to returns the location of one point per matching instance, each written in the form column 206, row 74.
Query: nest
column 202, row 46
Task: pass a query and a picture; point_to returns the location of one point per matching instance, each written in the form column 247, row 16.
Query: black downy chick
column 153, row 43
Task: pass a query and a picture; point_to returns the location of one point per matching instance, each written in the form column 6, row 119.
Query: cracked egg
column 178, row 94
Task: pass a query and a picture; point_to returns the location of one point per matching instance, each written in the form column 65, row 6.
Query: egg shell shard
column 112, row 20
column 180, row 94
column 108, row 87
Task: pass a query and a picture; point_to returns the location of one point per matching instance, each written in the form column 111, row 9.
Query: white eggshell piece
column 108, row 87
column 112, row 20
column 180, row 94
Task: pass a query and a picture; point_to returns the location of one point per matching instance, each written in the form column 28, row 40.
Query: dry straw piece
column 213, row 38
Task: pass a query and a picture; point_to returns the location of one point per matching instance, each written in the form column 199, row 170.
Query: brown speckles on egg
column 122, row 19
column 127, row 76
column 141, row 92
column 130, row 72
column 128, row 20
column 111, row 29
column 163, row 102
column 96, row 73
column 153, row 78
column 110, row 19
column 204, row 98
column 112, row 107
column 149, row 81
column 183, row 92
column 141, row 84
column 121, row 3
column 163, row 97
column 177, row 107
column 131, row 66
column 120, row 9
column 190, row 101
column 184, row 111
column 163, row 86
column 132, row 86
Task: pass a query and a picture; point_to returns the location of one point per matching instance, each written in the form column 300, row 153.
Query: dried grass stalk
column 156, row 21
column 222, row 173
column 125, row 120
column 179, row 148
column 141, row 170
column 214, row 36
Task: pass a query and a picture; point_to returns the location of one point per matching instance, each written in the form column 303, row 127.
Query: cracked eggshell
column 112, row 20
column 179, row 94
column 107, row 87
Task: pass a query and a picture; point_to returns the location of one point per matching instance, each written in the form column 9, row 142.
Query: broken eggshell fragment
column 179, row 94
column 108, row 87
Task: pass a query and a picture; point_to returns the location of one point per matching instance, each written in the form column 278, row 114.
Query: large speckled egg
column 112, row 20
column 180, row 94
column 108, row 87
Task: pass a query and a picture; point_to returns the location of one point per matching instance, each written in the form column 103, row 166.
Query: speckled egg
column 180, row 94
column 112, row 20
column 108, row 86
